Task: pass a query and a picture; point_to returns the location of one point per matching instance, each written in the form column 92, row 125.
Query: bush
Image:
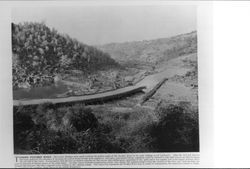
column 22, row 125
column 129, row 130
column 97, row 140
column 177, row 130
column 82, row 118
column 75, row 129
column 51, row 129
column 51, row 142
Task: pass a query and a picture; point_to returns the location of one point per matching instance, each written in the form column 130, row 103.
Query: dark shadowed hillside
column 153, row 51
column 40, row 52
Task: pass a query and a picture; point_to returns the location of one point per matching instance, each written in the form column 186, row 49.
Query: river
column 172, row 68
column 40, row 92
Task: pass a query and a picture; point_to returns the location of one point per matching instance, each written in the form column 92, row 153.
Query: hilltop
column 40, row 53
column 152, row 51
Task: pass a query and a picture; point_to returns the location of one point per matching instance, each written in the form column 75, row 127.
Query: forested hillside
column 153, row 51
column 39, row 53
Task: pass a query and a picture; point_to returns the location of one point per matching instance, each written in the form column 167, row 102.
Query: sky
column 96, row 25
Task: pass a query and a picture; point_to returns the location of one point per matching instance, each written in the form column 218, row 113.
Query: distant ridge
column 153, row 51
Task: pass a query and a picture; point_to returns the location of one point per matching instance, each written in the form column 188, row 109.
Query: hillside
column 40, row 53
column 167, row 122
column 153, row 51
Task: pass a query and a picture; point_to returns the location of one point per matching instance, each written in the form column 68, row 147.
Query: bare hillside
column 153, row 51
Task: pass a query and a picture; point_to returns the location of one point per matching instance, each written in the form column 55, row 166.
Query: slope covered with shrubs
column 39, row 53
column 153, row 51
column 50, row 128
column 177, row 129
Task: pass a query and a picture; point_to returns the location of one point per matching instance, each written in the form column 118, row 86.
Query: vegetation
column 52, row 129
column 48, row 128
column 39, row 53
column 153, row 51
column 190, row 78
column 177, row 129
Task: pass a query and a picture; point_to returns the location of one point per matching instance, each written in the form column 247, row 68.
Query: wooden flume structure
column 88, row 99
column 95, row 98
column 152, row 91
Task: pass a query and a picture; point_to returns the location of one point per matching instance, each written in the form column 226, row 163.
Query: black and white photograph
column 105, row 79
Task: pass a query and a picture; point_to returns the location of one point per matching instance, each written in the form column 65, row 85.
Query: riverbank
column 119, row 126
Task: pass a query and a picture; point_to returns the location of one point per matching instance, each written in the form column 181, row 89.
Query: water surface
column 40, row 92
